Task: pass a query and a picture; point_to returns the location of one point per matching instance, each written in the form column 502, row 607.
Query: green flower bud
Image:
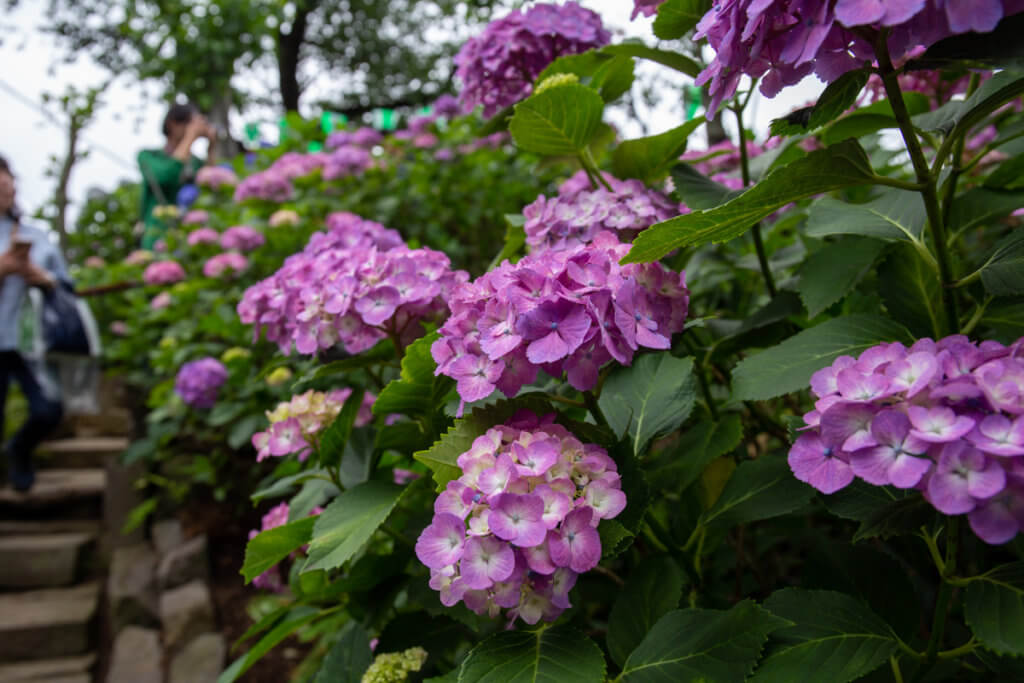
column 555, row 81
column 395, row 667
column 279, row 376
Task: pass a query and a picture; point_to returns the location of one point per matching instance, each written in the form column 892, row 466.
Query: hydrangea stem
column 947, row 567
column 929, row 192
column 762, row 255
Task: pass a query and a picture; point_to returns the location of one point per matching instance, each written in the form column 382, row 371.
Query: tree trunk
column 60, row 195
column 288, row 48
column 225, row 147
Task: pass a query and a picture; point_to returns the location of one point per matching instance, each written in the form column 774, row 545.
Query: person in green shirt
column 165, row 171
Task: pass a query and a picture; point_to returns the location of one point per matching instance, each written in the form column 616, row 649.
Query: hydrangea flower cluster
column 195, row 217
column 578, row 213
column 228, row 263
column 242, row 238
column 295, row 424
column 782, row 41
column 943, row 417
column 353, row 285
column 271, row 185
column 163, row 273
column 216, row 177
column 199, row 381
column 498, row 67
column 568, row 310
column 648, row 8
column 203, row 235
column 345, row 161
column 361, row 137
column 277, row 516
column 160, row 301
column 520, row 524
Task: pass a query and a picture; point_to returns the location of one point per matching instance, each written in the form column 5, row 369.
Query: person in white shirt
column 27, row 259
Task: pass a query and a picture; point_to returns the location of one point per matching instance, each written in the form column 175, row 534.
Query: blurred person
column 27, row 259
column 165, row 171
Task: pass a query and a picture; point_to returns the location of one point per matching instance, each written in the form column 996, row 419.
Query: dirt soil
column 227, row 533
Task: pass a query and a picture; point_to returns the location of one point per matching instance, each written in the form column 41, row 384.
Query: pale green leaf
column 646, row 158
column 269, row 547
column 893, row 215
column 560, row 121
column 348, row 522
column 547, row 655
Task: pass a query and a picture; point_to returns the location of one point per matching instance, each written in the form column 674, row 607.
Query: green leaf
column 547, row 655
column 839, row 96
column 646, row 158
column 224, row 412
column 834, row 638
column 241, row 432
column 789, row 366
column 1006, row 317
column 699, row 445
column 284, row 485
column 1009, row 175
column 832, row 168
column 348, row 522
column 872, row 118
column 758, row 489
column 296, row 619
column 273, row 545
column 349, row 658
column 673, row 60
column 962, row 115
column 652, row 397
column 830, row 273
column 442, row 456
column 382, row 352
column 336, row 436
column 912, row 292
column 698, row 191
column 313, row 493
column 653, row 590
column 558, row 122
column 897, row 518
column 994, row 608
column 702, row 645
column 676, row 18
column 980, row 206
column 893, row 215
column 860, row 500
column 614, row 538
column 416, row 392
column 1003, row 272
column 611, row 75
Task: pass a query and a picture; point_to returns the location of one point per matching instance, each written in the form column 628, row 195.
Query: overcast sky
column 126, row 123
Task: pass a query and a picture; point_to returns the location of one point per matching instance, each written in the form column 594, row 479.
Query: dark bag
column 63, row 329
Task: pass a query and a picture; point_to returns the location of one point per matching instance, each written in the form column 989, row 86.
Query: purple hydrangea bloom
column 498, row 67
column 648, row 8
column 520, row 523
column 163, row 273
column 354, row 285
column 945, row 417
column 781, row 41
column 241, row 238
column 569, row 310
column 216, row 177
column 199, row 381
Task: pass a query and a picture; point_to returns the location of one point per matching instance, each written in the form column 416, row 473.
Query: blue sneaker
column 20, row 471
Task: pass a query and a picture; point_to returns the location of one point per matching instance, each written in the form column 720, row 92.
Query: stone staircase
column 53, row 540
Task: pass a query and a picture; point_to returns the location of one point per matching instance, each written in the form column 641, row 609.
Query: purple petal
column 547, row 349
column 847, row 426
column 812, row 462
column 442, row 543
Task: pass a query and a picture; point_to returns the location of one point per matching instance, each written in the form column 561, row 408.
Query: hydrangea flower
column 160, row 301
column 228, row 263
column 199, row 381
column 216, row 177
column 242, row 238
column 579, row 213
column 283, row 217
column 361, row 137
column 943, row 417
column 569, row 311
column 203, row 236
column 355, row 285
column 195, row 217
column 345, row 161
column 295, row 425
column 277, row 516
column 520, row 524
column 271, row 185
column 781, row 41
column 163, row 273
column 498, row 67
column 648, row 8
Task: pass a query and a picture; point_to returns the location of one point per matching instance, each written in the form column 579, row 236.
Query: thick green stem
column 762, row 255
column 590, row 400
column 925, row 178
column 947, row 567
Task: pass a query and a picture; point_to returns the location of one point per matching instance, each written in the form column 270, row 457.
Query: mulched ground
column 227, row 532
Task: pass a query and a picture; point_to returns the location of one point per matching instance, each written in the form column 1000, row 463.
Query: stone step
column 54, row 526
column 49, row 670
column 44, row 624
column 38, row 561
column 80, row 452
column 109, row 422
column 58, row 493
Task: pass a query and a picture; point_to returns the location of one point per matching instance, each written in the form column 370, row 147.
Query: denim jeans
column 44, row 416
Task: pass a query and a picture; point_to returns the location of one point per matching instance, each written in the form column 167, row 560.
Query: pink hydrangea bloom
column 944, row 417
column 163, row 273
column 203, row 236
column 242, row 238
column 216, row 177
column 520, row 524
column 295, row 424
column 195, row 217
column 161, row 300
column 228, row 263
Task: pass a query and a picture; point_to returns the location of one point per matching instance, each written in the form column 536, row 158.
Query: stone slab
column 136, row 657
column 44, row 624
column 35, row 561
column 48, row 669
column 167, row 535
column 186, row 613
column 65, row 493
column 201, row 661
column 81, row 452
column 29, row 527
column 183, row 563
column 131, row 587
